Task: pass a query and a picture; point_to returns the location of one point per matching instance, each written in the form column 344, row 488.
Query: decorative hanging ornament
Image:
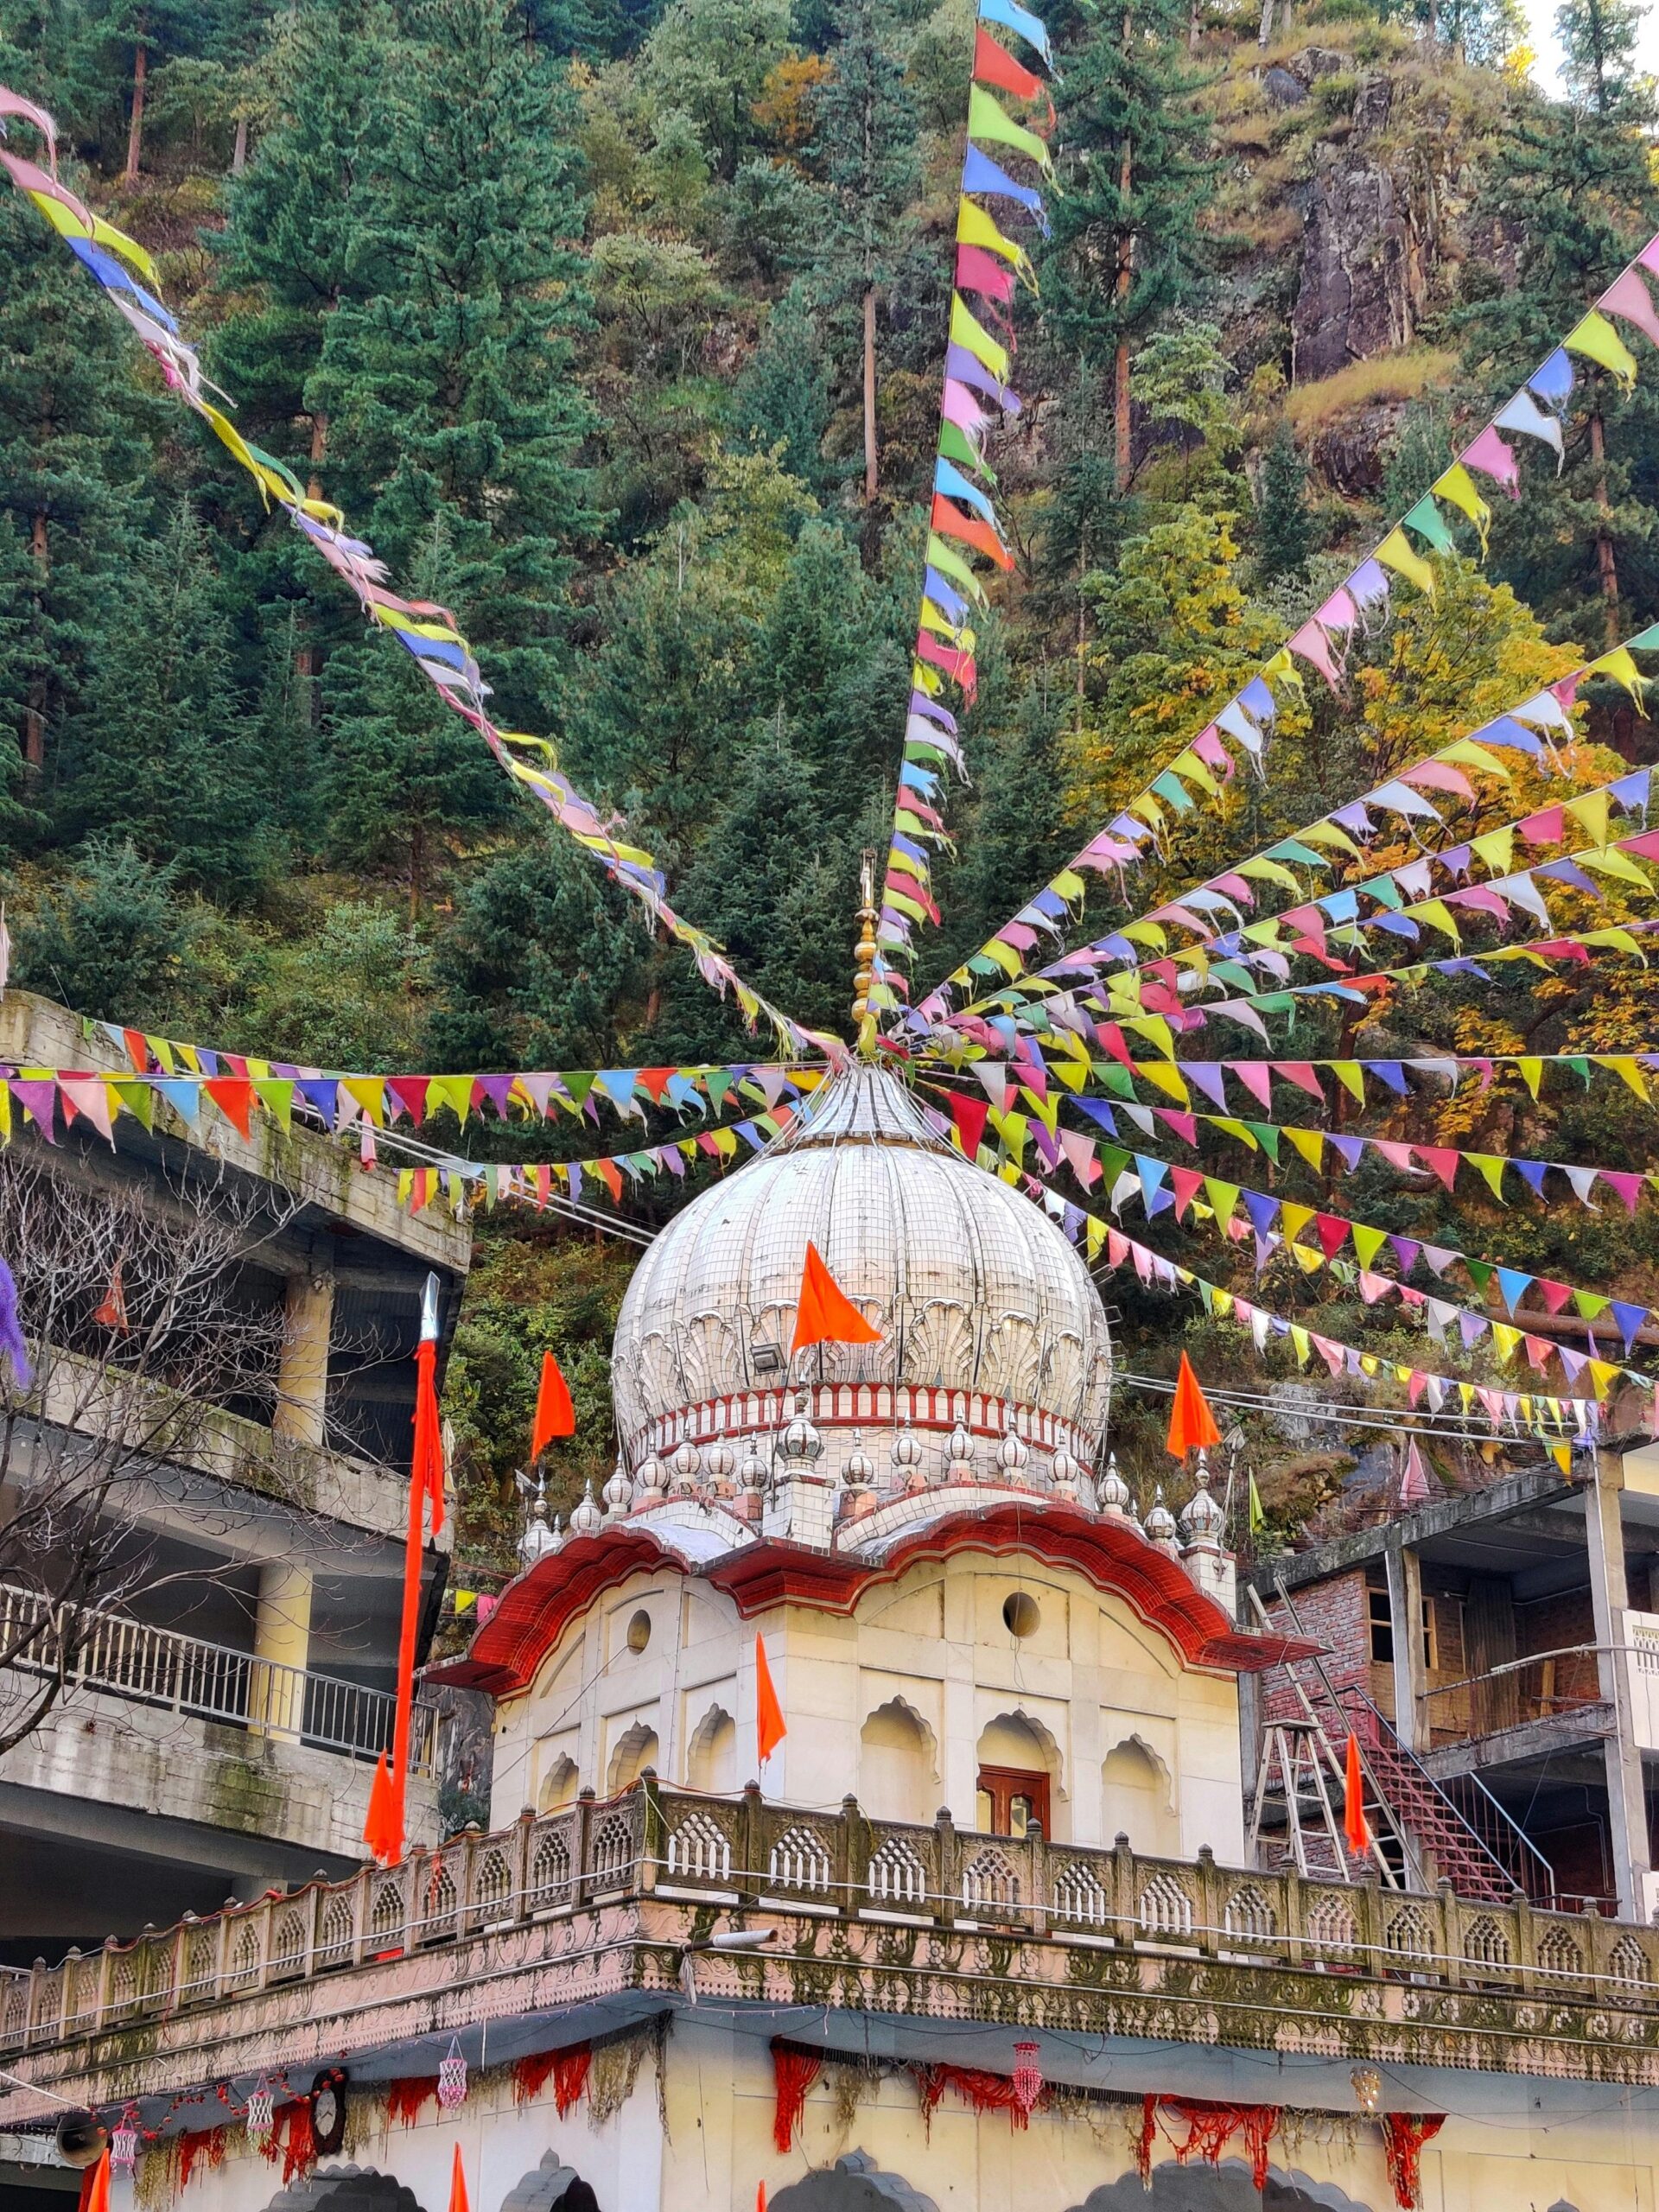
column 1027, row 2076
column 452, row 2078
column 261, row 2111
column 123, row 2142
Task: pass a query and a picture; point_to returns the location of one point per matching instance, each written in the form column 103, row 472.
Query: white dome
column 987, row 1314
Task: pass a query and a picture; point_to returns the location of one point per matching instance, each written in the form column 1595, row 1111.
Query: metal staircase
column 1420, row 1833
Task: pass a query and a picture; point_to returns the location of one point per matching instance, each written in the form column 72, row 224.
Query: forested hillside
column 619, row 328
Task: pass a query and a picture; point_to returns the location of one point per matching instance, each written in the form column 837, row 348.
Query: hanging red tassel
column 112, row 1313
column 1404, row 2134
column 793, row 2073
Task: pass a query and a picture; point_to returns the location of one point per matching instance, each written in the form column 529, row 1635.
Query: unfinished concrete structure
column 1497, row 1656
column 219, row 1718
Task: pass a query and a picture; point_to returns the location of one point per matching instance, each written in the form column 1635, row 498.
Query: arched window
column 1135, row 1784
column 897, row 1776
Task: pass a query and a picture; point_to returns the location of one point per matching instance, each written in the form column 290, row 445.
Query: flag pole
column 386, row 1834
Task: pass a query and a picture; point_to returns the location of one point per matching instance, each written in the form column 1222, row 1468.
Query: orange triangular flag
column 769, row 1728
column 380, row 1826
column 458, row 2199
column 555, row 1415
column 1354, row 1826
column 1192, row 1424
column 95, row 2187
column 112, row 1313
column 826, row 1315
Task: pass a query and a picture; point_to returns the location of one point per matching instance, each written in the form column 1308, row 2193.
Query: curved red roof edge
column 536, row 1609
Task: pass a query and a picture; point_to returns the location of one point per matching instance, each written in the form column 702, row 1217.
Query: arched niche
column 636, row 1750
column 1137, row 1796
column 559, row 1786
column 854, row 2183
column 898, row 1770
column 1225, row 2188
column 711, row 1754
column 346, row 2189
column 550, row 2187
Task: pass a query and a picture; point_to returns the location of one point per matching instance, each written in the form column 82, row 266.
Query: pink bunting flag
column 1414, row 1482
column 1493, row 458
column 1311, row 644
column 1629, row 297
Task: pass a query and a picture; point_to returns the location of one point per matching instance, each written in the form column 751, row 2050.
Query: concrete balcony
column 165, row 1745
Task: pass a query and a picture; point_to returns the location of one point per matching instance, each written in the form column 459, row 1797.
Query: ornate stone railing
column 745, row 1853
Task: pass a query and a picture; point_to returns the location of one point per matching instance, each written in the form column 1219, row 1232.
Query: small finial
column 864, row 957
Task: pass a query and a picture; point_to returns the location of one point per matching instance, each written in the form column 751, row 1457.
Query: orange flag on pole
column 380, row 1830
column 1192, row 1424
column 825, row 1314
column 555, row 1415
column 458, row 2198
column 95, row 2186
column 769, row 1728
column 1354, row 1826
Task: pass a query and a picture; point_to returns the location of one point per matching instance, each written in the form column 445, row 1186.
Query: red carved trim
column 1109, row 1554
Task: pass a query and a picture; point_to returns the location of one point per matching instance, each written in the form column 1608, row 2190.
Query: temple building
column 873, row 1823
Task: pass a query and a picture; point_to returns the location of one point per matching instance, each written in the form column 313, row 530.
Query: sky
column 1540, row 16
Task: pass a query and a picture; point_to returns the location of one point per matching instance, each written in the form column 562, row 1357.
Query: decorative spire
column 864, row 974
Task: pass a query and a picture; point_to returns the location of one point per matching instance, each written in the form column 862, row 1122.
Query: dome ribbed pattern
column 973, row 1289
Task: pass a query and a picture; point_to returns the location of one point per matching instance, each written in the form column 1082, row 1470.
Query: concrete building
column 988, row 1938
column 227, row 1682
column 1497, row 1654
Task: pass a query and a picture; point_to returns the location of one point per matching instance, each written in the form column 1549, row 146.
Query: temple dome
column 987, row 1314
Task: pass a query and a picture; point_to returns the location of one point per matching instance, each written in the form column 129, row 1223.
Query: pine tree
column 867, row 148
column 1598, row 40
column 161, row 750
column 449, row 387
column 1126, row 234
column 74, row 452
column 783, row 396
column 1284, row 528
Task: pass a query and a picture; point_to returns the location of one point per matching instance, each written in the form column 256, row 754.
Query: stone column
column 1627, row 1815
column 303, row 1372
column 282, row 1640
column 1411, row 1718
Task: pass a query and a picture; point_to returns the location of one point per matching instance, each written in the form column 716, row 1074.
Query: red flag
column 383, row 1827
column 970, row 1116
column 825, row 1315
column 95, row 2186
column 760, row 2197
column 769, row 1727
column 425, row 1464
column 1192, row 1424
column 995, row 64
column 458, row 2198
column 555, row 1415
column 1354, row 1826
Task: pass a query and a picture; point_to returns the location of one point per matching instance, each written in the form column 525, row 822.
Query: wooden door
column 1009, row 1800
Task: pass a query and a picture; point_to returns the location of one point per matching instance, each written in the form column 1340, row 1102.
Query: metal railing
column 94, row 1649
column 741, row 1852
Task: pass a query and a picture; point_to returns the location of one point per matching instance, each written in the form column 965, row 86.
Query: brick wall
column 1337, row 1614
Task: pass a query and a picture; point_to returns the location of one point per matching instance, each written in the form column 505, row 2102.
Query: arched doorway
column 346, row 2189
column 855, row 2184
column 550, row 2187
column 1226, row 2188
column 1019, row 1776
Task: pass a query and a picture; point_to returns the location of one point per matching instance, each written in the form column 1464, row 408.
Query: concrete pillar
column 1410, row 1656
column 282, row 1641
column 1627, row 1812
column 303, row 1371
